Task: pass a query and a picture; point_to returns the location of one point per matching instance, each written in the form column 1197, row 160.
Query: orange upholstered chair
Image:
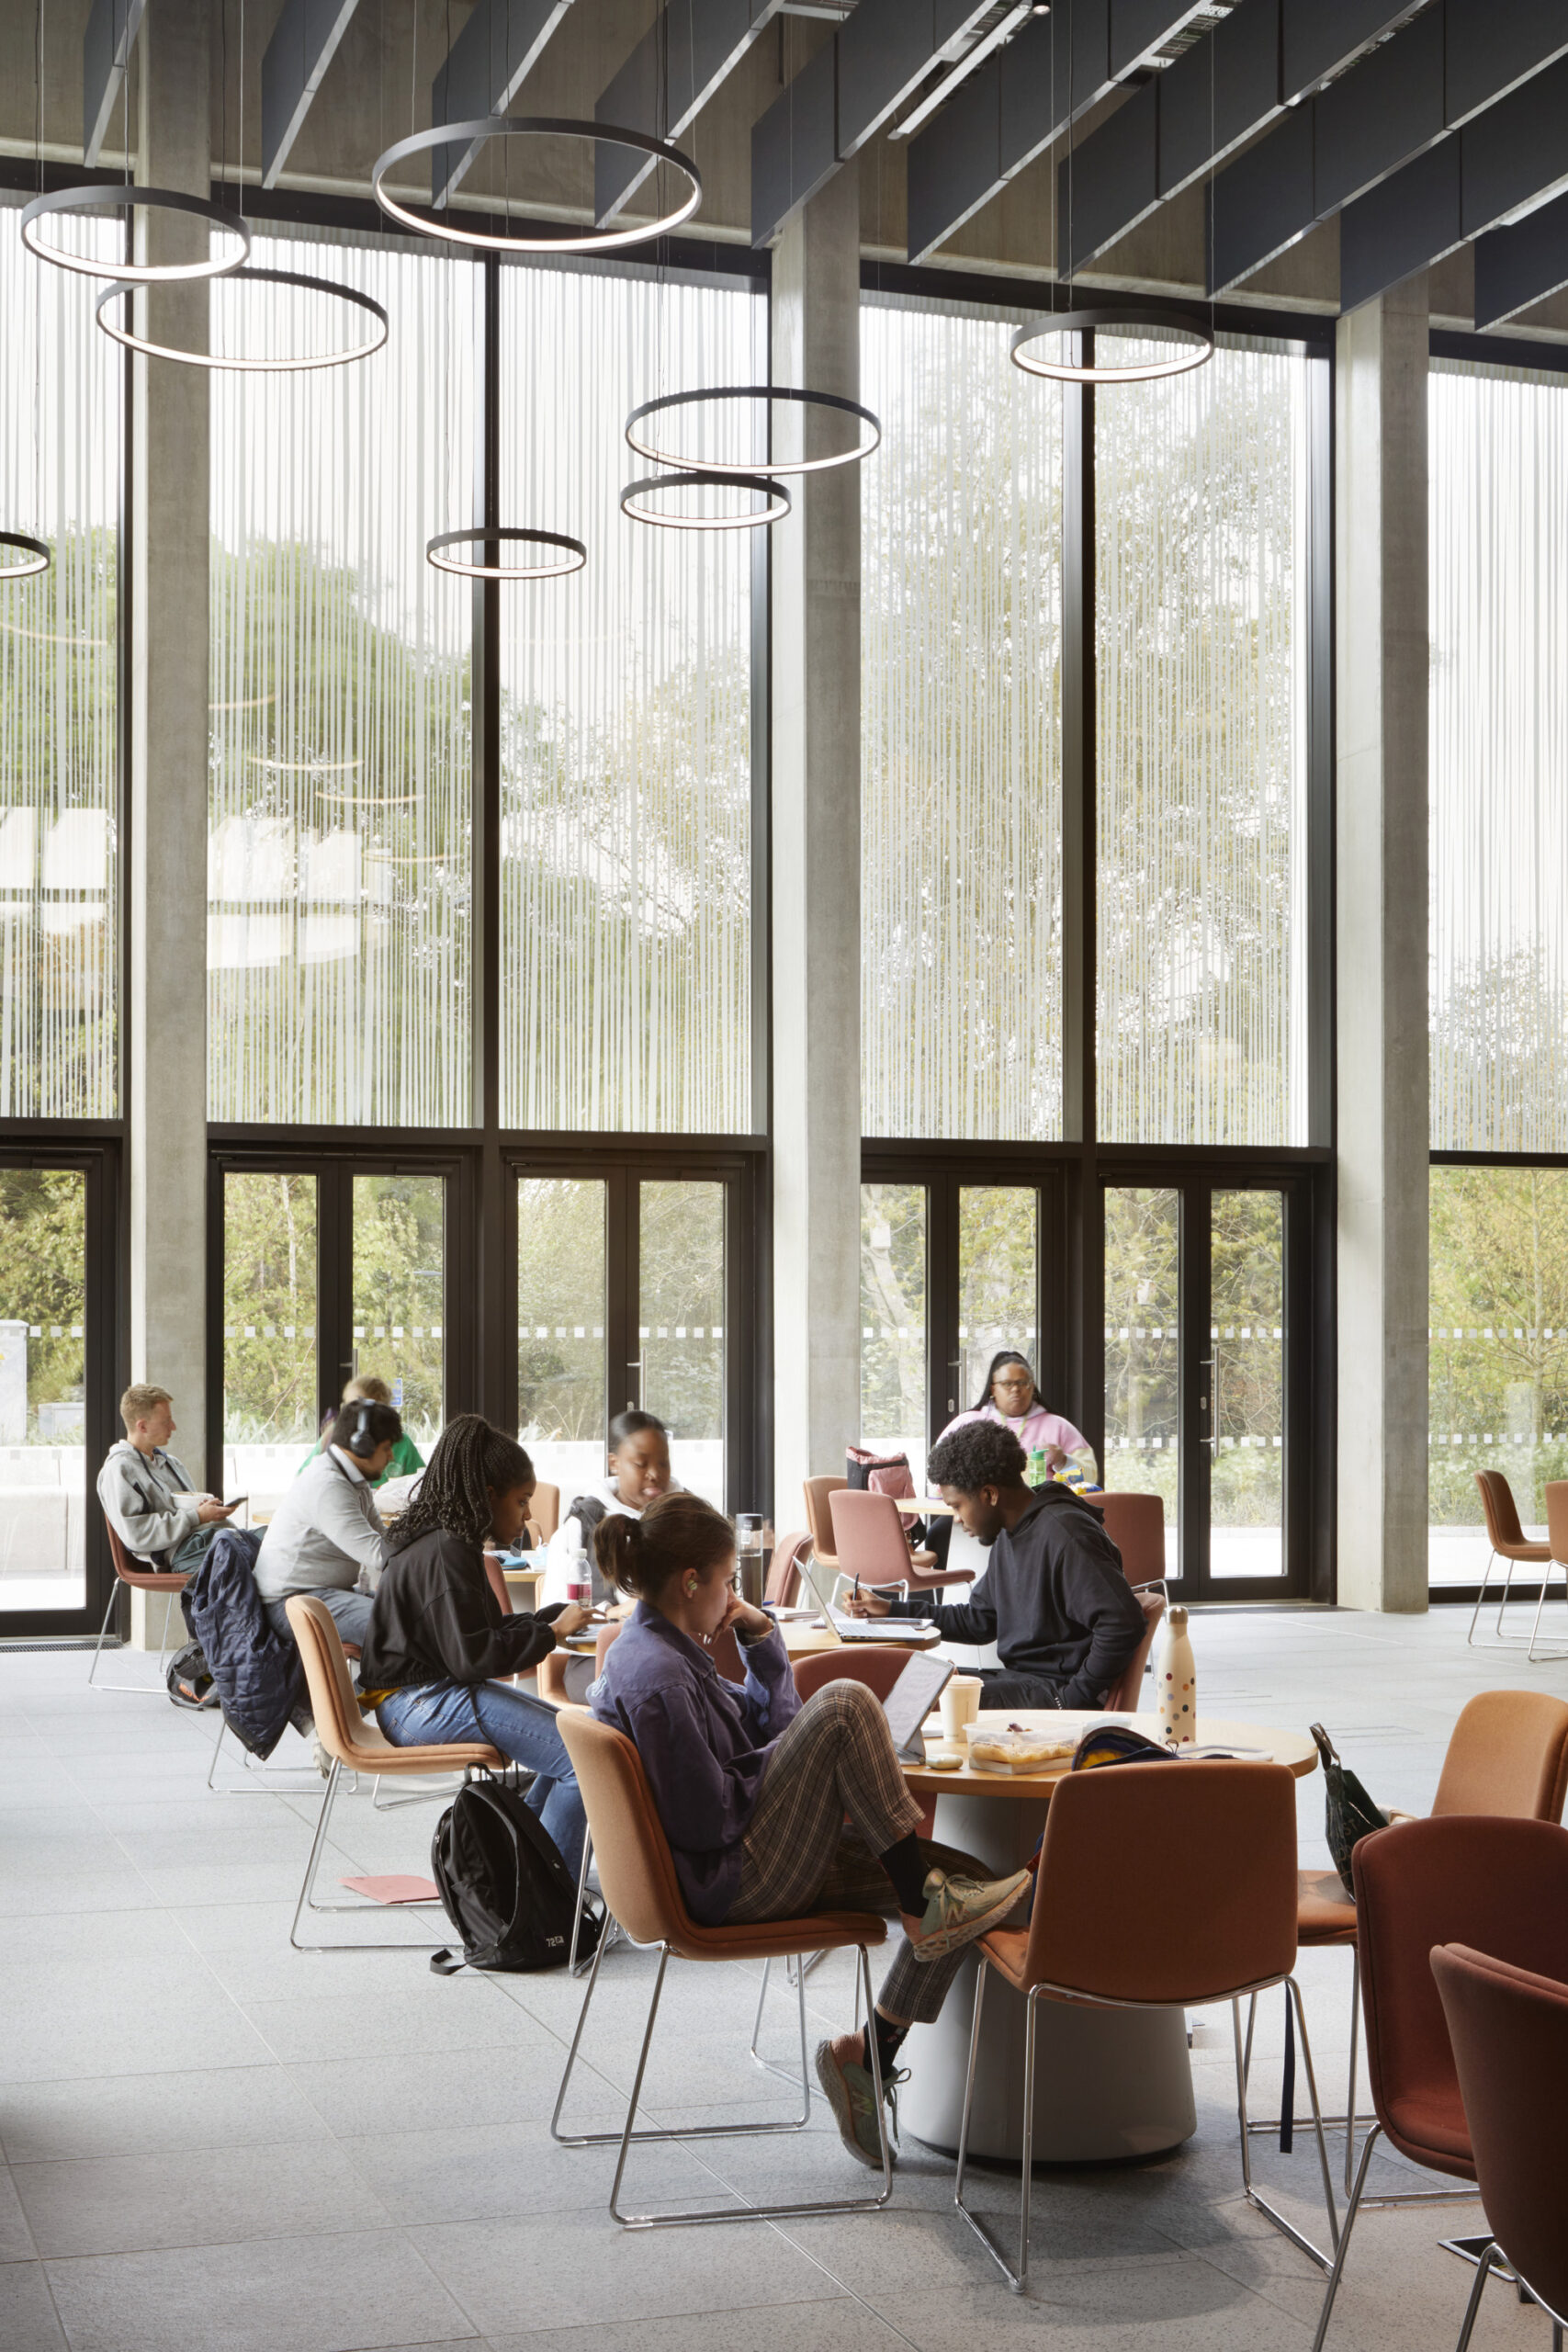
column 1159, row 1886
column 1466, row 1878
column 1508, row 2032
column 642, row 1892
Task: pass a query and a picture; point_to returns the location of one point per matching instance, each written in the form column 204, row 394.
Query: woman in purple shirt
column 752, row 1787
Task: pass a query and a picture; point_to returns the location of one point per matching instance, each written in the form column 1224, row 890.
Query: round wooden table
column 1108, row 2082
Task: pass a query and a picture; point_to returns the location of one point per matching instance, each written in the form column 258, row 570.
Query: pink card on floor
column 394, row 1889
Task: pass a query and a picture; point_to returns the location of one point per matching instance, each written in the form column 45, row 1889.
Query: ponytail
column 640, row 1557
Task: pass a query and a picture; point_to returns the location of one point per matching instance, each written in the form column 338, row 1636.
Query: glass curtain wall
column 338, row 930
column 626, row 723
column 961, row 533
column 60, row 435
column 1498, row 558
column 1202, row 573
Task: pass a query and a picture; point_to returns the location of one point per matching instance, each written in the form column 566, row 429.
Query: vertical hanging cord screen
column 338, row 930
column 1498, row 518
column 58, row 461
column 1201, row 589
column 961, row 527
column 626, row 752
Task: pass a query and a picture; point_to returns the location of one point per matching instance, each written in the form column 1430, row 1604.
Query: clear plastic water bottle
column 1036, row 1472
column 578, row 1575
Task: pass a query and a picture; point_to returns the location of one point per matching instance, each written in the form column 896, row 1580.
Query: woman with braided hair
column 438, row 1642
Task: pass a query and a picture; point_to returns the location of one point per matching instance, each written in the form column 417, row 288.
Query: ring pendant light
column 130, row 199
column 732, row 467
column 350, row 294
column 778, row 502
column 490, row 535
column 34, row 554
column 1184, row 355
column 535, row 126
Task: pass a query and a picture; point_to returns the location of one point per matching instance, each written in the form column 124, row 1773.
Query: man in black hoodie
column 1053, row 1597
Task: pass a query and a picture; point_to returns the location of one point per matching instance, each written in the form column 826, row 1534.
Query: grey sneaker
column 958, row 1910
column 847, row 2085
column 323, row 1761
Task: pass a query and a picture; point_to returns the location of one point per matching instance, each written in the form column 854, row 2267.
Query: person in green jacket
column 371, row 1388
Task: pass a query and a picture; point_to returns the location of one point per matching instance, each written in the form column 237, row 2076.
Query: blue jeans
column 350, row 1611
column 521, row 1727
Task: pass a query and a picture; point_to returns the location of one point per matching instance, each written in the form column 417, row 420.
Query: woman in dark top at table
column 438, row 1638
column 752, row 1787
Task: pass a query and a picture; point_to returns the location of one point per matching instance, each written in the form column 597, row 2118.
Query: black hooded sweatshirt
column 1053, row 1599
column 436, row 1620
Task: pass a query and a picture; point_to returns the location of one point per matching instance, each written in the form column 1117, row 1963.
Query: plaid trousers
column 838, row 1757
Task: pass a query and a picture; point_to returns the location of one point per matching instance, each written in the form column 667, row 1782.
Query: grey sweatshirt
column 324, row 1532
column 148, row 1500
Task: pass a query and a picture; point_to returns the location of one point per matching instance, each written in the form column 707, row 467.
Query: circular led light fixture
column 378, row 336
column 130, row 200
column 535, row 126
column 777, row 502
column 488, row 536
column 645, row 447
column 1183, row 355
column 31, row 556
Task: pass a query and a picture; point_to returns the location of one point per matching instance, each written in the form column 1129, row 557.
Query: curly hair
column 981, row 1453
column 471, row 1461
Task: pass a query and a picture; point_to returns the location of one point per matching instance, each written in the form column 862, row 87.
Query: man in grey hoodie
column 146, row 1493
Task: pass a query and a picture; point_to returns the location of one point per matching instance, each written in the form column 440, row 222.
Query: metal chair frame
column 158, row 1690
column 1358, row 2198
column 1017, row 2279
column 1386, row 2199
column 259, row 1779
column 625, row 2138
column 1493, row 2256
column 307, row 1897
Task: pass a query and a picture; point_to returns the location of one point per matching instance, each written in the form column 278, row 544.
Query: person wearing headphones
column 326, row 1536
column 405, row 1458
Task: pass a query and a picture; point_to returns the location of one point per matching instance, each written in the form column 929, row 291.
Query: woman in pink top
column 1012, row 1397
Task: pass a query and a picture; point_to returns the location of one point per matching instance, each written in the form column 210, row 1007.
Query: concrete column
column 167, row 1103
column 815, row 869
column 1382, row 1073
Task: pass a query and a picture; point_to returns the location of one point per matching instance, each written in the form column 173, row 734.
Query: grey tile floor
column 215, row 2144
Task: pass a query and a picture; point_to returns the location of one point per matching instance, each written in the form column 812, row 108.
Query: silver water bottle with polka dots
column 1178, row 1676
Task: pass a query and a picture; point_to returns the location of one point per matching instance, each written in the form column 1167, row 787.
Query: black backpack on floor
column 504, row 1886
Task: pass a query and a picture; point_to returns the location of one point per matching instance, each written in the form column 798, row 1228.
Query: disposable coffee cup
column 959, row 1704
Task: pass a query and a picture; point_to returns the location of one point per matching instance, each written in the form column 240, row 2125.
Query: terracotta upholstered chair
column 1123, row 1696
column 784, row 1568
column 870, row 1543
column 544, row 1513
column 1156, row 1889
column 1508, row 1544
column 1469, row 1879
column 1135, row 1524
column 642, row 1892
column 135, row 1576
column 1508, row 2032
column 1507, row 1755
column 357, row 1745
column 819, row 1493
